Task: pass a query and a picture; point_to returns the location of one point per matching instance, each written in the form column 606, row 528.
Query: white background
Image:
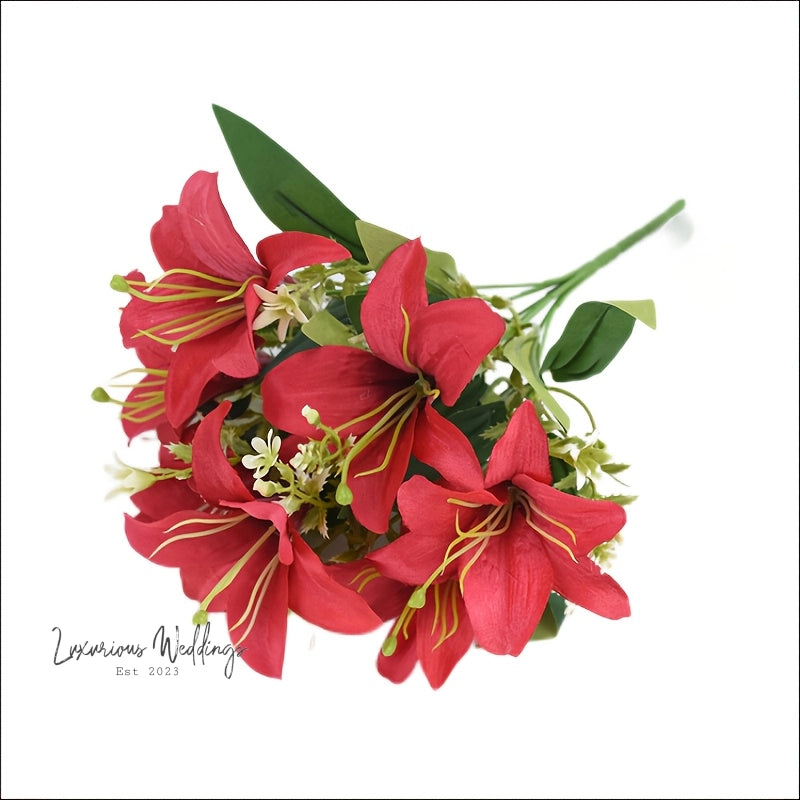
column 523, row 138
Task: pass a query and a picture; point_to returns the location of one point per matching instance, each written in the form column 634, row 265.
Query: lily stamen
column 218, row 528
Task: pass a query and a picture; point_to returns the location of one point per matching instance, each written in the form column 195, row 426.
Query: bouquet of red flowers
column 352, row 431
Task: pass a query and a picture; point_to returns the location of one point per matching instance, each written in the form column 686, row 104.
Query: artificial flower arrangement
column 350, row 431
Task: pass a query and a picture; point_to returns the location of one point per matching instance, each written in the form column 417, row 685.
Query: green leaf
column 324, row 328
column 379, row 243
column 519, row 353
column 643, row 310
column 593, row 336
column 283, row 188
column 552, row 618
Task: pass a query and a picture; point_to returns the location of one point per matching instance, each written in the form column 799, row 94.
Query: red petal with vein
column 197, row 581
column 171, row 249
column 441, row 445
column 522, row 449
column 507, row 588
column 198, row 362
column 166, row 497
column 164, row 316
column 400, row 282
column 449, row 339
column 384, row 596
column 290, row 250
column 374, row 495
column 398, row 666
column 266, row 510
column 340, row 382
column 587, row 586
column 318, row 598
column 198, row 538
column 215, row 478
column 438, row 659
column 592, row 521
column 208, row 232
column 261, row 602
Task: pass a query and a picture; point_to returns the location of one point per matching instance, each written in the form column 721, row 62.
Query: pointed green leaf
column 519, row 353
column 324, row 328
column 377, row 242
column 283, row 188
column 643, row 310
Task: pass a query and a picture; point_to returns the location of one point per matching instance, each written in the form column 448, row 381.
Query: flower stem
column 573, row 279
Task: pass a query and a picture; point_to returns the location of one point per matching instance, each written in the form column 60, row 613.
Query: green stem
column 572, row 280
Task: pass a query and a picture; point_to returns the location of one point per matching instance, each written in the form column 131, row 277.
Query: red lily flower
column 383, row 397
column 245, row 557
column 509, row 540
column 206, row 302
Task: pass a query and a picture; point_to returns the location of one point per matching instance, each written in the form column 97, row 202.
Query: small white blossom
column 281, row 307
column 266, row 454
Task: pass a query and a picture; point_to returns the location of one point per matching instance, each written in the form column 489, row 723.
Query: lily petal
column 444, row 640
column 290, row 250
column 587, row 586
column 189, row 539
column 340, row 382
column 215, row 478
column 198, row 362
column 441, row 445
column 398, row 286
column 522, row 449
column 374, row 493
column 318, row 598
column 257, row 611
column 206, row 231
column 507, row 588
column 449, row 339
column 591, row 521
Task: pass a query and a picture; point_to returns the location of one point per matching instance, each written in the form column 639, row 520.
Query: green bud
column 343, row 495
column 100, row 395
column 311, row 415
